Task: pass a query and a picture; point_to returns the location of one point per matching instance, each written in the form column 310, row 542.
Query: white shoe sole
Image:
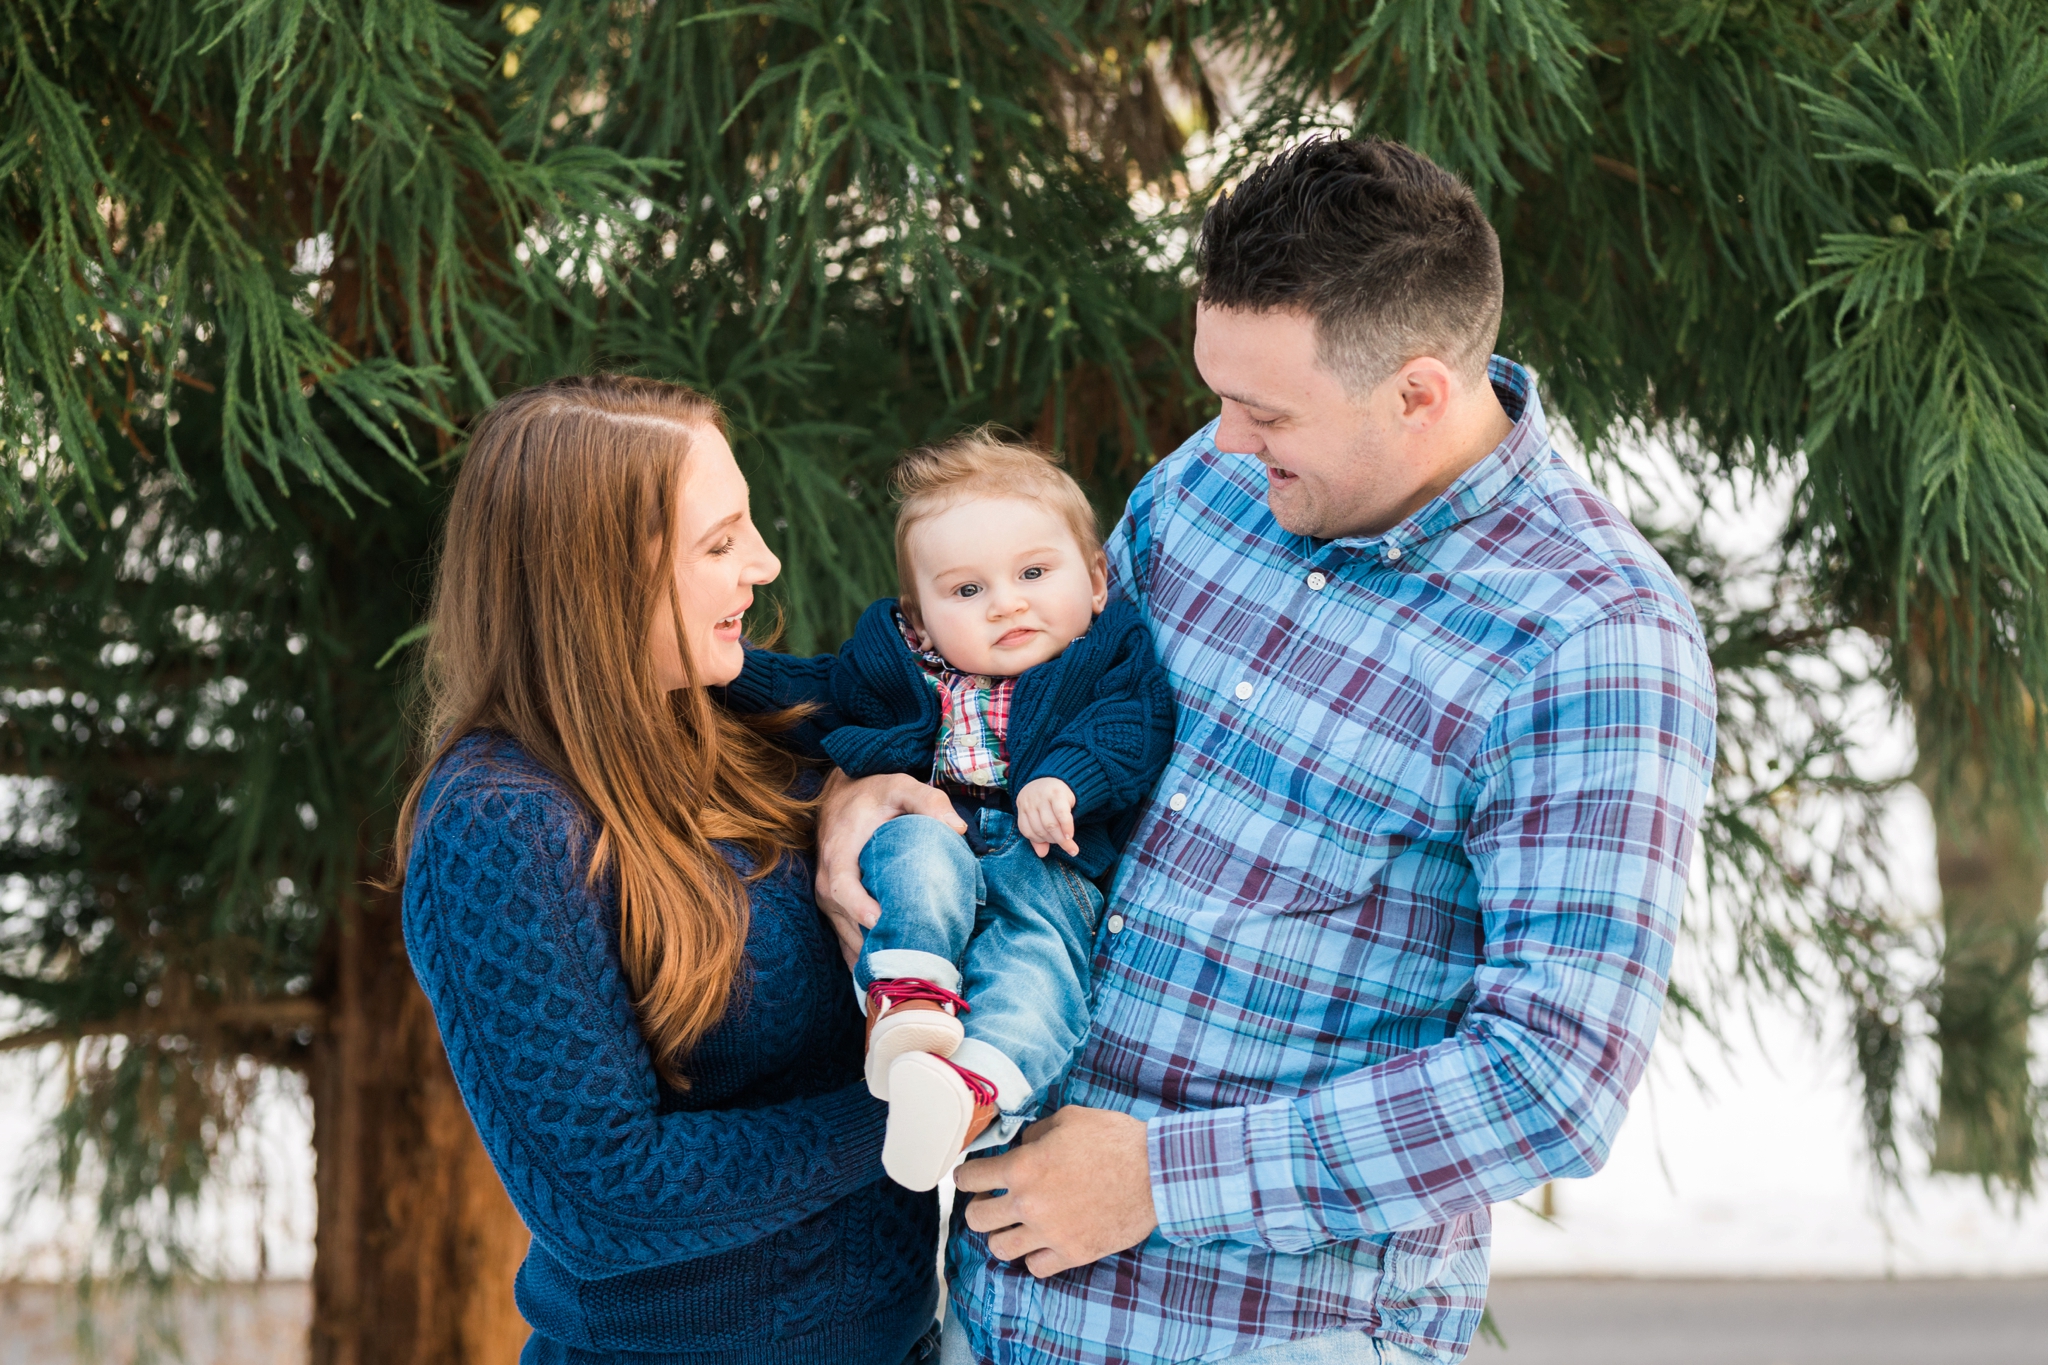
column 930, row 1109
column 905, row 1031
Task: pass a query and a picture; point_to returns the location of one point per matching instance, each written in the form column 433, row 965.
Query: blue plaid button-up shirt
column 1390, row 943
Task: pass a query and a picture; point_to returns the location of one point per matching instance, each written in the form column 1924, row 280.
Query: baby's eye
column 1033, row 574
column 967, row 590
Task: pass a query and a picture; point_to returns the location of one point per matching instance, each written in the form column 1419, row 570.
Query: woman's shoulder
column 487, row 778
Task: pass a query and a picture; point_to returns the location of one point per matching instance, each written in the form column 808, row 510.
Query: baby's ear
column 914, row 621
column 1098, row 576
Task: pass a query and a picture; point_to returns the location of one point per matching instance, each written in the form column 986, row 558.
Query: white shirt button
column 1244, row 691
column 1116, row 924
column 1177, row 801
column 1393, row 552
column 1317, row 582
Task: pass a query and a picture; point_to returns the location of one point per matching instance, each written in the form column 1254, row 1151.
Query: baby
column 1002, row 676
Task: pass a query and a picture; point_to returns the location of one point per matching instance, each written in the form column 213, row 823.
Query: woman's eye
column 723, row 546
column 1033, row 574
column 967, row 590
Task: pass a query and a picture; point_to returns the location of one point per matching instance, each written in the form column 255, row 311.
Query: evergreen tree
column 262, row 260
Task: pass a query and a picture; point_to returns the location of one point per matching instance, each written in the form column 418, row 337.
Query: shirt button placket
column 1318, row 580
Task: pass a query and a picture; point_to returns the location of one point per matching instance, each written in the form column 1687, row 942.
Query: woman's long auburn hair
column 558, row 552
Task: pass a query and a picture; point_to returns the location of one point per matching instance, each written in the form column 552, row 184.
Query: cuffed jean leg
column 1027, row 967
column 928, row 885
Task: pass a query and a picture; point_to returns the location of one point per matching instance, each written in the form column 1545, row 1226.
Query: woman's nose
column 765, row 567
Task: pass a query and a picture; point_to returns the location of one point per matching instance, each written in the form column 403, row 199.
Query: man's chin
column 1292, row 507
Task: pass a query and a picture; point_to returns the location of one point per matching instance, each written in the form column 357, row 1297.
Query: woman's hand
column 1045, row 815
column 851, row 810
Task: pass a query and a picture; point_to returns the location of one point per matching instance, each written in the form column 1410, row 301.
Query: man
column 1390, row 943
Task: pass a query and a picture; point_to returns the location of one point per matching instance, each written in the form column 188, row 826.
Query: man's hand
column 1077, row 1187
column 1045, row 815
column 852, row 809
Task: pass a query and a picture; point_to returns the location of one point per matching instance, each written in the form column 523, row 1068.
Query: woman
column 607, row 903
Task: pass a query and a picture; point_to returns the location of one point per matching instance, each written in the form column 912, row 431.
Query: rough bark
column 1992, row 855
column 416, row 1242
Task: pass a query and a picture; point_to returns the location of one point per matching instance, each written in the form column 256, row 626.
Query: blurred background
column 1781, row 269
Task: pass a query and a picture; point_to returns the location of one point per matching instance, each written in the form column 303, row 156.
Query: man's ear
column 1424, row 387
column 1098, row 578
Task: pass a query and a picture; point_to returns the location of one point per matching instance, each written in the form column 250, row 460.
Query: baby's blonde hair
column 984, row 462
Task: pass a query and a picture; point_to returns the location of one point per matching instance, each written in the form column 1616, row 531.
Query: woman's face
column 719, row 559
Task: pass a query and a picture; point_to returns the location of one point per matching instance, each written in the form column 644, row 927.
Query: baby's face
column 1001, row 585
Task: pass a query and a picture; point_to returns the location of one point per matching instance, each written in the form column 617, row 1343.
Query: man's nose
column 1236, row 433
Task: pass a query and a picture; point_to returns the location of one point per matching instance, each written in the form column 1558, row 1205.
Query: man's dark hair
column 1384, row 249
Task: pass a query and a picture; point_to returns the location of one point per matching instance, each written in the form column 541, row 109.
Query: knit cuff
column 1093, row 793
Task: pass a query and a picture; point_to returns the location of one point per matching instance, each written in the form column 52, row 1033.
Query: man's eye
column 1033, row 574
column 1263, row 421
column 967, row 590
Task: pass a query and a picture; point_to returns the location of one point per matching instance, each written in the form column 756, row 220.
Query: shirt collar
column 1486, row 484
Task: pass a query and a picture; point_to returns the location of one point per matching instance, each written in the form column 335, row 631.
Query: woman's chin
column 721, row 662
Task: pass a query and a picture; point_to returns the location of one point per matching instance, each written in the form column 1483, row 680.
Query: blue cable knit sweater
column 1098, row 716
column 745, row 1220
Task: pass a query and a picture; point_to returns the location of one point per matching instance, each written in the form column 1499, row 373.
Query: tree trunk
column 1992, row 854
column 416, row 1242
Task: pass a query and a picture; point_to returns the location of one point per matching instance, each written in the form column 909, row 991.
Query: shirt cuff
column 1201, row 1177
column 1232, row 1175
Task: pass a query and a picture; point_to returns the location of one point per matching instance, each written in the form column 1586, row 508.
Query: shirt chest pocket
column 1365, row 785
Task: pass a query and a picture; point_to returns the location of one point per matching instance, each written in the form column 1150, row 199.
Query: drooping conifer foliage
column 262, row 260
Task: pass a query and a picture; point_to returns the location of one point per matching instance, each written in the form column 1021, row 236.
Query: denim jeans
column 1330, row 1348
column 1010, row 931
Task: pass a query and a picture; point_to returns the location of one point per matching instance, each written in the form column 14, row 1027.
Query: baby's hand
column 1045, row 815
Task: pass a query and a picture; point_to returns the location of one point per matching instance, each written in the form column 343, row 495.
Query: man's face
column 1327, row 456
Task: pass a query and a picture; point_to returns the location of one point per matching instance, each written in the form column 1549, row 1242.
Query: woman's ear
column 1098, row 578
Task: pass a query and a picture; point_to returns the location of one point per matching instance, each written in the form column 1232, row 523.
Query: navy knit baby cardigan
column 745, row 1220
column 1098, row 716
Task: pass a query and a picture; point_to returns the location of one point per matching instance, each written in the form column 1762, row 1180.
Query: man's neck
column 1464, row 440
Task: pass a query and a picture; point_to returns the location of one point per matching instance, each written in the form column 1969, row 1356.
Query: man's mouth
column 1277, row 475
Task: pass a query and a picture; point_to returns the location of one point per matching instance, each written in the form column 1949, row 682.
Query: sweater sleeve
column 773, row 682
column 508, row 940
column 1113, row 748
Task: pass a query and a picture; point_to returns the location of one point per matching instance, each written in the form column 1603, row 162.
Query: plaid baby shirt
column 974, row 719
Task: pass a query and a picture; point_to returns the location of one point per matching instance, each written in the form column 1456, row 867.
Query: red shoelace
column 981, row 1087
column 899, row 989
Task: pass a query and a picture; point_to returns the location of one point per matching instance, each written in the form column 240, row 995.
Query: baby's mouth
column 1015, row 637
